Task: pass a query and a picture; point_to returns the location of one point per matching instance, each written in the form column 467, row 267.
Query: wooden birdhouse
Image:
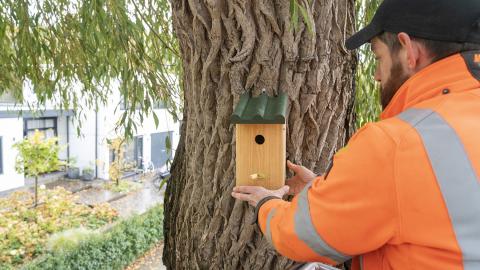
column 261, row 142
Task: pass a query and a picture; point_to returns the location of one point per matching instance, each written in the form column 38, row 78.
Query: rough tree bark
column 228, row 46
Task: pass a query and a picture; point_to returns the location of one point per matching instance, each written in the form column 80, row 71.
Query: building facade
column 89, row 148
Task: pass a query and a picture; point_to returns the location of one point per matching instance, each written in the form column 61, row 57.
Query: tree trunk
column 229, row 46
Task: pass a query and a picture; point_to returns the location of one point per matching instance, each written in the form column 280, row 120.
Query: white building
column 90, row 148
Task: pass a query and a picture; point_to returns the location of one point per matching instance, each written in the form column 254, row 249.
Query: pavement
column 152, row 260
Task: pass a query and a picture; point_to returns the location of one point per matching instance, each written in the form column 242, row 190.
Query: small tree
column 36, row 156
column 117, row 165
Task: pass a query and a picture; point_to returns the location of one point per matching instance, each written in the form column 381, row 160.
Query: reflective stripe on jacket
column 405, row 194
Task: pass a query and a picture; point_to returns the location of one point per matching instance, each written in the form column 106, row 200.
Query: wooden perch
column 258, row 176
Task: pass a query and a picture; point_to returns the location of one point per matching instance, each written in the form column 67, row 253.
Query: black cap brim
column 363, row 36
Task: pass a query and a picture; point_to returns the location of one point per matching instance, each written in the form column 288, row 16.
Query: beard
column 398, row 76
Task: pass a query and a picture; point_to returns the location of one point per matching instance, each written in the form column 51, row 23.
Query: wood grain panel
column 267, row 159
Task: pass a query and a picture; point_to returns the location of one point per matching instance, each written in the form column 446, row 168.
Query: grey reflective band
column 456, row 177
column 473, row 66
column 360, row 261
column 306, row 231
column 268, row 231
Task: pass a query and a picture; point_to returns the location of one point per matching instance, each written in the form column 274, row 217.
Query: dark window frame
column 138, row 149
column 157, row 105
column 26, row 129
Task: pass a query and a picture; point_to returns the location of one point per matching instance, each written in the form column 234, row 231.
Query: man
column 405, row 192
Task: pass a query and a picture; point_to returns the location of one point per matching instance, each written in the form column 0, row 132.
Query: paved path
column 140, row 201
column 152, row 260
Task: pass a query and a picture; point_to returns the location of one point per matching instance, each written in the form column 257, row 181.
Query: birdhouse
column 261, row 141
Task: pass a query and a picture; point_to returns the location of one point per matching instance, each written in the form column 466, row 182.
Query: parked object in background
column 161, row 179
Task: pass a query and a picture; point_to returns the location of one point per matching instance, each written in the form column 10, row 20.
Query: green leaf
column 306, row 18
column 155, row 118
column 168, row 143
column 294, row 14
column 90, row 45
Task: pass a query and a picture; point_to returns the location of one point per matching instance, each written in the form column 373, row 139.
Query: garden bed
column 24, row 230
column 115, row 248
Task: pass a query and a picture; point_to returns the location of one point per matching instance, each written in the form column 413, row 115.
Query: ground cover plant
column 115, row 248
column 24, row 230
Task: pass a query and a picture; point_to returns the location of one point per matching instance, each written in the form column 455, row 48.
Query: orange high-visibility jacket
column 405, row 192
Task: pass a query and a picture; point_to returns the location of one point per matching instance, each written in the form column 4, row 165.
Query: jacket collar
column 450, row 73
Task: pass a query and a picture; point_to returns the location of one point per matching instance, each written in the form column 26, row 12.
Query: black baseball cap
column 441, row 20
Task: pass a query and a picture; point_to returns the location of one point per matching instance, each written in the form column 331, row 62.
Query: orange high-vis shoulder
column 405, row 194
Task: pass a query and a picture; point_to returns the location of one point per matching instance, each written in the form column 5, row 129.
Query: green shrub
column 69, row 239
column 122, row 186
column 24, row 230
column 115, row 249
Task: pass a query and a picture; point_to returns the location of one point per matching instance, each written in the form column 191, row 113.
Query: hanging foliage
column 367, row 96
column 76, row 52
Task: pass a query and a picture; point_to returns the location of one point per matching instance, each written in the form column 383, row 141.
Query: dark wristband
column 259, row 204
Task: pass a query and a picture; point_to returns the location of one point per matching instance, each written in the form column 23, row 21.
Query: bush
column 25, row 230
column 69, row 239
column 115, row 249
column 122, row 187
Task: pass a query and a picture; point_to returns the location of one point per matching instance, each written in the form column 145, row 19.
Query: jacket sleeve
column 352, row 212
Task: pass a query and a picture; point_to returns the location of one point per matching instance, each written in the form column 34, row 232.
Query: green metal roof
column 262, row 109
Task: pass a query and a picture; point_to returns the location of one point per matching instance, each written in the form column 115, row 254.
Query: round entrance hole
column 259, row 139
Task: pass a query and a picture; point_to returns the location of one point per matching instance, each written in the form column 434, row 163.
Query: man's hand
column 302, row 177
column 253, row 195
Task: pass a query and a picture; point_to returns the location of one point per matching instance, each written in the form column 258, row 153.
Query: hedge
column 115, row 249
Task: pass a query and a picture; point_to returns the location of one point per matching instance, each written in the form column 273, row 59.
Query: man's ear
column 411, row 51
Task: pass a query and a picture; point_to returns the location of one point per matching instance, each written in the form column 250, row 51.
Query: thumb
column 282, row 191
column 291, row 166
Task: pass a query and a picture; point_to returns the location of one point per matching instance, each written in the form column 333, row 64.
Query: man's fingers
column 292, row 186
column 291, row 180
column 241, row 196
column 293, row 167
column 247, row 189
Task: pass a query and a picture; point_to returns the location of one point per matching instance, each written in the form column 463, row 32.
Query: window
column 156, row 105
column 159, row 105
column 159, row 152
column 132, row 154
column 129, row 156
column 1, row 156
column 7, row 97
column 47, row 125
column 138, row 151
